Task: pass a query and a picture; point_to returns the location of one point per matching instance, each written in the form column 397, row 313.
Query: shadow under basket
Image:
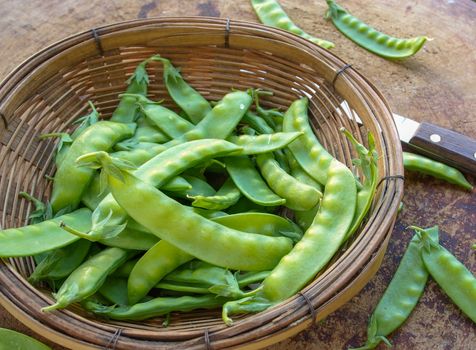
column 50, row 90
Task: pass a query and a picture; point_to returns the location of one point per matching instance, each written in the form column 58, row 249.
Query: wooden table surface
column 437, row 85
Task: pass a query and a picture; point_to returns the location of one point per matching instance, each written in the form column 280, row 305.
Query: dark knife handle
column 446, row 146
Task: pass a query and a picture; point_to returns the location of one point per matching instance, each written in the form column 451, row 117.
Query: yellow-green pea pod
column 132, row 239
column 146, row 132
column 125, row 269
column 415, row 162
column 172, row 222
column 321, row 241
column 370, row 39
column 186, row 97
column 272, row 14
column 450, row 274
column 199, row 188
column 155, row 307
column 43, row 236
column 156, row 263
column 11, row 340
column 100, row 136
column 307, row 150
column 247, row 178
column 401, row 295
column 225, row 197
column 88, row 277
column 298, row 195
column 264, row 143
column 140, row 152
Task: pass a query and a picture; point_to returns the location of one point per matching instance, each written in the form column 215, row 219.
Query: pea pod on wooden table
column 401, row 295
column 170, row 221
column 370, row 39
column 272, row 14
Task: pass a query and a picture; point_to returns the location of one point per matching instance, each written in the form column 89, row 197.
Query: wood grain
column 437, row 85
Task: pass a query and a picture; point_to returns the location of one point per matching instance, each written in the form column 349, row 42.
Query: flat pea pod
column 199, row 188
column 132, row 239
column 401, row 295
column 257, row 123
column 171, row 221
column 307, row 150
column 186, row 97
column 224, row 198
column 61, row 262
column 272, row 14
column 155, row 307
column 109, row 217
column 115, row 290
column 146, row 132
column 367, row 37
column 157, row 262
column 247, row 178
column 12, row 340
column 126, row 110
column 198, row 272
column 140, row 152
column 43, row 236
column 263, row 143
column 298, row 195
column 88, row 277
column 321, row 241
column 125, row 269
column 183, row 287
column 100, row 136
column 450, row 274
column 415, row 162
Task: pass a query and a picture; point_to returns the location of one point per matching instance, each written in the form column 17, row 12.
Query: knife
column 433, row 141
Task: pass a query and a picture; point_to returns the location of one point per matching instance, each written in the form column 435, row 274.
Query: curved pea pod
column 225, row 197
column 100, row 136
column 186, row 97
column 12, row 340
column 157, row 262
column 199, row 188
column 370, row 39
column 415, row 162
column 155, row 307
column 126, row 110
column 272, row 14
column 307, row 150
column 321, row 241
column 115, row 290
column 264, row 143
column 298, row 195
column 172, row 222
column 450, row 274
column 247, row 178
column 250, row 304
column 43, row 236
column 88, row 277
column 61, row 262
column 401, row 295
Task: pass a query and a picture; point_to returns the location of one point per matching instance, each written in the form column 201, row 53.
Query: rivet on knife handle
column 447, row 146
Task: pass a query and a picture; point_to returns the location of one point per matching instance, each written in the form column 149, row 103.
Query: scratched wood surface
column 437, row 85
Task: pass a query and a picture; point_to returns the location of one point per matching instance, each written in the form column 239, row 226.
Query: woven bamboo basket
column 51, row 89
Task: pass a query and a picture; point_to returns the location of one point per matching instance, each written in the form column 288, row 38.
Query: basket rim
column 392, row 191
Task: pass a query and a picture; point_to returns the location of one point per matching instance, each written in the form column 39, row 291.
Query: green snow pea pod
column 88, row 277
column 272, row 14
column 109, row 218
column 245, row 279
column 61, row 262
column 125, row 269
column 42, row 210
column 131, row 238
column 140, row 152
column 257, row 123
column 157, row 262
column 209, row 214
column 165, row 119
column 186, row 97
column 247, row 178
column 450, row 274
column 264, row 143
column 273, row 117
column 307, row 150
column 370, row 39
column 155, row 307
column 146, row 132
column 12, row 340
column 415, row 162
column 43, row 236
column 171, row 221
column 368, row 162
column 183, row 287
column 298, row 195
column 100, row 136
column 115, row 290
column 199, row 188
column 126, row 110
column 401, row 295
column 225, row 197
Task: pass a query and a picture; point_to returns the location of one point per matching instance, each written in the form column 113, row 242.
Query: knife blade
column 441, row 144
